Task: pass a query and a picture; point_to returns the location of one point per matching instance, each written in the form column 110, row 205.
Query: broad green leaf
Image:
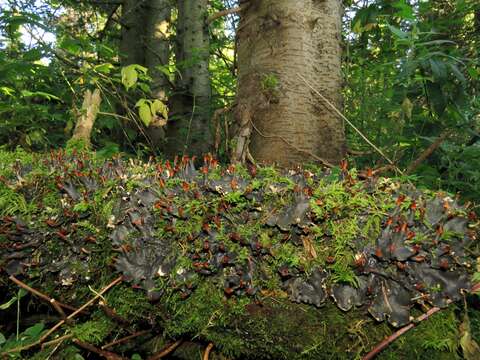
column 144, row 87
column 145, row 114
column 458, row 74
column 397, row 32
column 2, row 339
column 129, row 76
column 140, row 68
column 142, row 101
column 104, row 68
column 35, row 330
column 439, row 69
column 436, row 98
column 73, row 46
column 159, row 107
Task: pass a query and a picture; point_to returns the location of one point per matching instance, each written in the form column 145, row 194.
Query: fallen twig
column 339, row 113
column 427, row 152
column 209, row 348
column 56, row 304
column 104, row 353
column 387, row 341
column 61, row 322
column 164, row 352
column 125, row 339
column 56, row 341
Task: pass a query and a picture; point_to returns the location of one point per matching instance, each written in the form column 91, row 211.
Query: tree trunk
column 189, row 131
column 278, row 41
column 87, row 116
column 157, row 53
column 133, row 34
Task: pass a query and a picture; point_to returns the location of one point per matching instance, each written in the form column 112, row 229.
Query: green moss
column 93, row 331
column 434, row 338
column 76, row 145
column 13, row 203
column 131, row 304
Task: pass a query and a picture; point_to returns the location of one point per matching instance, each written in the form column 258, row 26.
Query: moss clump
column 435, row 338
column 93, row 331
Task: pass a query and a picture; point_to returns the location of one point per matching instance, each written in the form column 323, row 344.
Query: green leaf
column 405, row 10
column 7, row 91
column 159, row 107
column 35, row 330
column 9, row 303
column 26, row 93
column 436, row 98
column 397, row 32
column 104, row 68
column 2, row 339
column 407, row 108
column 439, row 69
column 145, row 113
column 129, row 76
column 458, row 74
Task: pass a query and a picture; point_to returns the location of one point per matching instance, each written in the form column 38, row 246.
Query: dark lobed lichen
column 208, row 243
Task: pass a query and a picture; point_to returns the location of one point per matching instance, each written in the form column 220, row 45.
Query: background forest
column 410, row 67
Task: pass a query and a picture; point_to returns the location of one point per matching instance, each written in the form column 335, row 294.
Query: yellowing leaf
column 159, row 107
column 145, row 113
column 407, row 108
column 129, row 76
column 470, row 348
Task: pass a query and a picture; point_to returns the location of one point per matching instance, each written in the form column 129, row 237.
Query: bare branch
column 225, row 12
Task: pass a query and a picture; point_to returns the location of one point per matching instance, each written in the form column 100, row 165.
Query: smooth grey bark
column 281, row 120
column 188, row 132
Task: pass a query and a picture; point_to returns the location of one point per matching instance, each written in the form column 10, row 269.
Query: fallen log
column 244, row 263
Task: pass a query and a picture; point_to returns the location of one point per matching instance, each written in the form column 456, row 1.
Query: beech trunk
column 280, row 116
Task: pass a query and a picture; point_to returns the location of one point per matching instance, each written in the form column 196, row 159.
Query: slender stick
column 387, row 341
column 126, row 338
column 339, row 113
column 428, row 151
column 209, row 348
column 56, row 341
column 103, row 353
column 166, row 351
column 61, row 322
column 41, row 295
column 225, row 12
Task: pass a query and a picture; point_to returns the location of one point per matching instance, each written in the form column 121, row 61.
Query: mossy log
column 263, row 264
